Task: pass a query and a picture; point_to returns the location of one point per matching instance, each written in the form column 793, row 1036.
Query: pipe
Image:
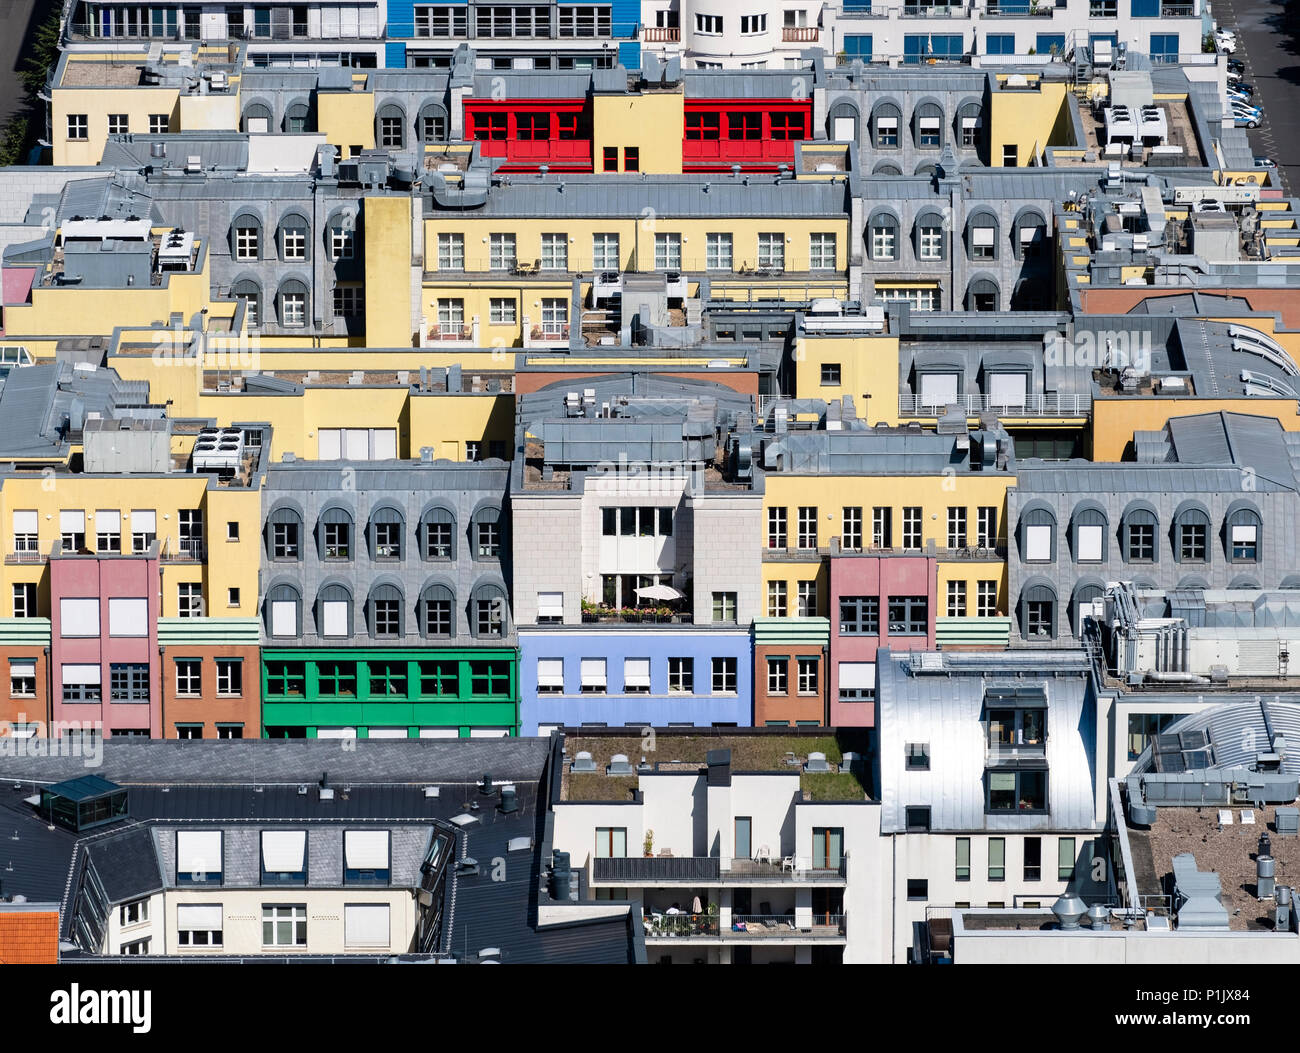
column 1176, row 678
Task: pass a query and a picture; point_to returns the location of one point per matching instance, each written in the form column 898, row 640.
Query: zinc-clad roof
column 946, row 711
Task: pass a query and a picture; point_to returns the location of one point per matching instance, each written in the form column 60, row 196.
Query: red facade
column 754, row 133
column 533, row 132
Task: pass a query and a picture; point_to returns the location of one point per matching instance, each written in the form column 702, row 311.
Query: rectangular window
column 808, row 676
column 930, row 242
column 501, row 311
column 724, row 606
column 555, row 316
column 986, row 599
column 604, row 252
column 956, row 526
column 778, row 670
column 609, row 158
column 908, row 615
column 550, row 676
column 881, row 528
column 986, row 526
column 708, row 25
column 830, row 374
column 636, row 676
column 1000, row 44
column 631, row 156
column 1033, row 869
column 771, row 251
column 668, row 252
column 451, row 252
column 828, row 847
column 593, row 676
column 1193, row 542
column 777, row 599
column 717, row 252
column 24, row 593
column 1245, row 542
column 997, row 858
column 22, row 677
column 611, row 842
column 198, row 925
column 776, row 528
column 703, row 126
column 189, row 677
column 681, row 676
column 962, row 870
column 859, row 615
column 128, row 682
column 724, row 676
column 501, row 252
column 821, row 251
column 912, row 528
column 78, row 127
column 555, row 252
column 807, row 527
column 1065, row 859
column 883, row 243
column 956, row 599
column 1141, row 542
column 230, row 677
column 807, row 599
column 917, row 820
column 349, row 301
column 284, row 925
column 851, row 530
column 451, row 320
column 916, row 756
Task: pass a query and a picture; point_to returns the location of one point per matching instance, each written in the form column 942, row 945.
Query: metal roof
column 946, row 708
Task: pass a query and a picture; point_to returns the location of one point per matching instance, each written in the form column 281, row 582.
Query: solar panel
column 1196, row 760
column 1168, row 744
column 1191, row 740
column 1170, row 762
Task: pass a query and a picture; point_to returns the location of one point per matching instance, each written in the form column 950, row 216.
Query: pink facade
column 881, row 577
column 126, row 634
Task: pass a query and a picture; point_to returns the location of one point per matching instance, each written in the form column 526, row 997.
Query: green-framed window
column 491, row 679
column 388, row 679
column 336, row 679
column 440, row 678
column 286, row 678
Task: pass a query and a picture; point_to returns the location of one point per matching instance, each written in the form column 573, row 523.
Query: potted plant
column 648, row 845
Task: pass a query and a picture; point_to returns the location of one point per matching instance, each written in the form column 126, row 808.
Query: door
column 744, row 839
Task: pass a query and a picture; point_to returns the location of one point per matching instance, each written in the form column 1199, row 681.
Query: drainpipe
column 49, row 690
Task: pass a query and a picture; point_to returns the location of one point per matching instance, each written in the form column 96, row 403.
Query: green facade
column 464, row 689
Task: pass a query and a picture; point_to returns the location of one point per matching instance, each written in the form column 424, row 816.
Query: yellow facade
column 347, row 119
column 934, row 494
column 1028, row 119
column 388, row 233
column 1114, row 420
column 232, row 562
column 652, row 122
column 868, row 369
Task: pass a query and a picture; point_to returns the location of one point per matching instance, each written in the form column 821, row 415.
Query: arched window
column 982, row 235
column 1138, row 534
column 432, row 126
column 390, row 127
column 1029, row 234
column 1190, row 533
column 437, row 611
column 885, row 120
column 340, row 235
column 387, row 534
column 438, row 534
column 1088, row 529
column 486, row 533
column 257, row 118
column 930, row 238
column 284, row 534
column 334, row 611
column 1081, row 603
column 489, row 611
column 886, row 168
column 969, row 125
column 293, row 304
column 1037, row 529
column 1243, row 581
column 842, row 122
column 250, row 294
column 1243, row 533
column 926, row 168
column 295, row 117
column 385, row 612
column 295, row 238
column 882, row 235
column 246, row 236
column 982, row 295
column 927, row 125
column 335, row 534
column 1038, row 610
column 283, row 611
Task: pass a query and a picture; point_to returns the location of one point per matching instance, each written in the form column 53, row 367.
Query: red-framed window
column 703, row 125
column 744, row 124
column 491, row 127
column 789, row 125
column 532, row 127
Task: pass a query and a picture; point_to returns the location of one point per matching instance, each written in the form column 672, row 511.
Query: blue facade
column 625, row 16
column 401, row 23
column 615, row 707
column 394, row 55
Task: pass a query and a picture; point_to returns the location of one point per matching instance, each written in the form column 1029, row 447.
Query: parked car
column 1225, row 44
column 1241, row 97
column 1245, row 116
column 1236, row 66
column 1241, row 88
column 1265, row 162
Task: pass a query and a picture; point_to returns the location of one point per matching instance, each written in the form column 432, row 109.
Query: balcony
column 742, row 927
column 1178, row 11
column 800, row 34
column 658, row 871
column 1017, row 10
column 185, row 550
column 1045, row 405
column 635, row 616
column 661, row 34
column 935, row 11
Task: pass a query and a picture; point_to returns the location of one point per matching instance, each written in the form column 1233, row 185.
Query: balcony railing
column 661, row 34
column 713, row 870
column 1053, row 405
column 185, row 550
column 928, row 11
column 743, row 927
column 1178, row 11
column 800, row 34
column 629, row 615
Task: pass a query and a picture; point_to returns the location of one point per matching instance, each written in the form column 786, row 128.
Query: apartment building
column 146, row 862
column 757, row 872
column 991, row 794
column 126, row 559
column 1206, row 503
column 632, row 589
column 385, row 603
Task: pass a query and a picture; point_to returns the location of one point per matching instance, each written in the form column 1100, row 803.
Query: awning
column 658, row 592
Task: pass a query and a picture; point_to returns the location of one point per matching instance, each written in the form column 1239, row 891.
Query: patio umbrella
column 658, row 592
